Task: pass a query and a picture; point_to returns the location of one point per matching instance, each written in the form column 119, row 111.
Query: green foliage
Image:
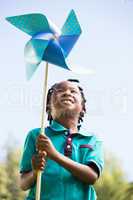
column 113, row 185
column 9, row 177
column 128, row 193
column 3, row 182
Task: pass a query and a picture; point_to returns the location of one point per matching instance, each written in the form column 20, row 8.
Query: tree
column 3, row 182
column 112, row 184
column 9, row 176
column 12, row 163
column 128, row 193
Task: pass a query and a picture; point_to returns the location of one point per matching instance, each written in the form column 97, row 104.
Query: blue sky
column 105, row 46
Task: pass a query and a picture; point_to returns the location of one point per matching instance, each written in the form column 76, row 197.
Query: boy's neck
column 69, row 123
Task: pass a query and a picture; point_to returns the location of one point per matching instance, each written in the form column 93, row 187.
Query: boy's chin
column 68, row 113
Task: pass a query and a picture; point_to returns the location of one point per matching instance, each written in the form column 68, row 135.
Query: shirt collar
column 57, row 127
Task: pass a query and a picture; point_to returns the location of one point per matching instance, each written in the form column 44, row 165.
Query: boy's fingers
column 40, row 137
column 44, row 154
column 41, row 142
column 38, row 161
column 42, row 164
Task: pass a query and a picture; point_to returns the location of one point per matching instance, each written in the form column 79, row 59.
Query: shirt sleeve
column 28, row 151
column 96, row 156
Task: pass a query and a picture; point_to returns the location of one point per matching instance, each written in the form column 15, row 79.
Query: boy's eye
column 59, row 90
column 73, row 91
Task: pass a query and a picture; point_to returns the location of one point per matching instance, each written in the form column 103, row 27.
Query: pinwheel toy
column 47, row 43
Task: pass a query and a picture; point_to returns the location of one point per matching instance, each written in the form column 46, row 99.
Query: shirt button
column 68, row 146
column 66, row 133
column 69, row 139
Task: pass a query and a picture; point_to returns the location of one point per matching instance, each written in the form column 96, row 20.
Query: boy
column 71, row 161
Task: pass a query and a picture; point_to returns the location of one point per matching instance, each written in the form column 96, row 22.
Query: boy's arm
column 81, row 171
column 27, row 179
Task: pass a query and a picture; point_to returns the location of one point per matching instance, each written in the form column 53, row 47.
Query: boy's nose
column 67, row 92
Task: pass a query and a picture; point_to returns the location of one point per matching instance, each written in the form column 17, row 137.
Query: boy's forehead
column 66, row 84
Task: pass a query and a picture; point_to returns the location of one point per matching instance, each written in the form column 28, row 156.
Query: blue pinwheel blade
column 54, row 54
column 71, row 25
column 34, row 51
column 31, row 24
column 71, row 31
column 67, row 42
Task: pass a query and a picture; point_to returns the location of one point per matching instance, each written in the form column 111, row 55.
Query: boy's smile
column 67, row 101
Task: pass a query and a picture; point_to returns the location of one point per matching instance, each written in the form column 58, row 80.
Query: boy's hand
column 38, row 161
column 43, row 143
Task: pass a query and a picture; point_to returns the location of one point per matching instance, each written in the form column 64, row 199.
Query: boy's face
column 66, row 99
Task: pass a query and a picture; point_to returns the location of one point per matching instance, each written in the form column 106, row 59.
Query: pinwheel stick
column 43, row 120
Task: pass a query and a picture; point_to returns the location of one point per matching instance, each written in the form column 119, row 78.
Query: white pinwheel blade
column 56, row 31
column 33, row 52
column 82, row 70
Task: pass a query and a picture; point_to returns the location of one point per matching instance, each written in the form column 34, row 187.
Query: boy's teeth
column 67, row 100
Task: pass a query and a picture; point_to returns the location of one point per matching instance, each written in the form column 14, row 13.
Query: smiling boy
column 71, row 161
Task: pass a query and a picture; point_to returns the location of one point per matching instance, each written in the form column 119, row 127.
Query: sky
column 105, row 47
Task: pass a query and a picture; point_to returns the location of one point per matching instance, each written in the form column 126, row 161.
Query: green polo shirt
column 57, row 182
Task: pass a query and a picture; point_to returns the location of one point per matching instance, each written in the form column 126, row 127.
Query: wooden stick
column 43, row 120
